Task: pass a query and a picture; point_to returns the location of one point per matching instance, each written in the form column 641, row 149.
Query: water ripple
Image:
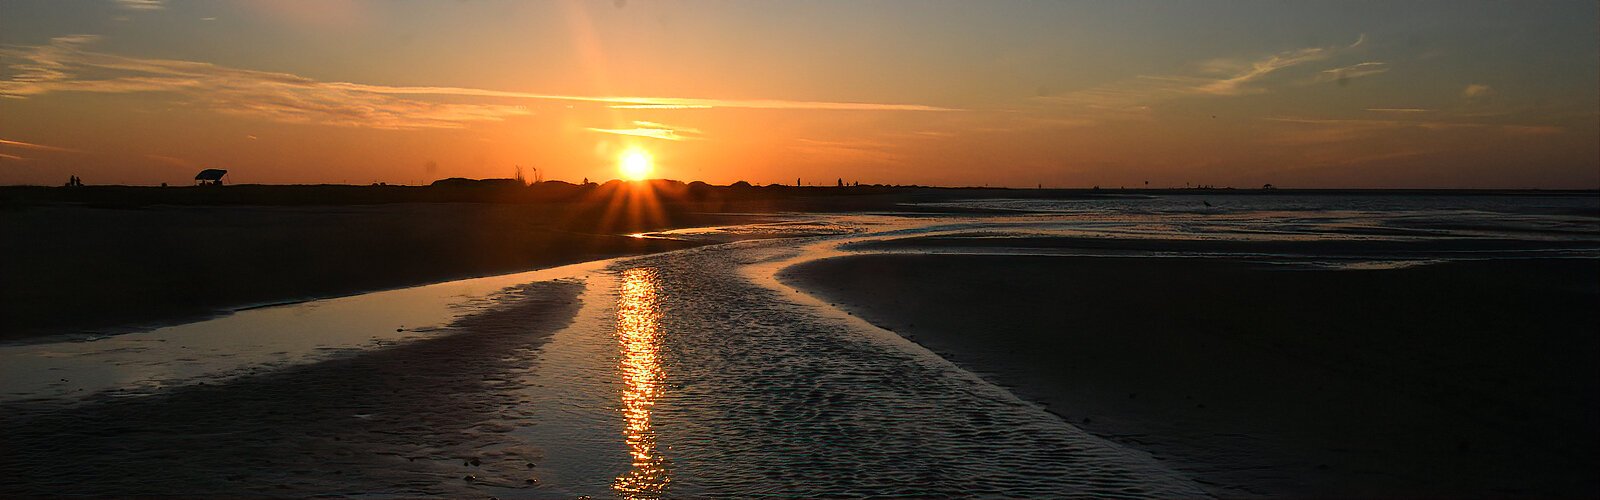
column 769, row 398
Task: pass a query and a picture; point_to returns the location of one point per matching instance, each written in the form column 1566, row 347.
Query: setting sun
column 635, row 165
column 857, row 207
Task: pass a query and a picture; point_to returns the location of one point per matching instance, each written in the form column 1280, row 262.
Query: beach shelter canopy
column 210, row 174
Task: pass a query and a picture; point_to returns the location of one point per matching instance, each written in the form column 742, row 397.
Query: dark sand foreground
column 426, row 418
column 1468, row 379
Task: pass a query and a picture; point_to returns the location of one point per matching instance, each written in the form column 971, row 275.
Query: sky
column 1343, row 93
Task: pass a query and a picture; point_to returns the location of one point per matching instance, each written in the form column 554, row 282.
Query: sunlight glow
column 635, row 165
column 638, row 314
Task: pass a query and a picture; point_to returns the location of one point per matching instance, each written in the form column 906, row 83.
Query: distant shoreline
column 673, row 191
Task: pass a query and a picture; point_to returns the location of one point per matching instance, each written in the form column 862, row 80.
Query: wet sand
column 1465, row 379
column 745, row 393
column 110, row 259
column 73, row 269
column 428, row 417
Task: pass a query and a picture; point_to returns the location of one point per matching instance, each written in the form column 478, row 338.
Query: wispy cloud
column 1429, row 124
column 1532, row 129
column 1351, row 72
column 621, row 102
column 40, row 147
column 1323, row 130
column 1237, row 84
column 1216, row 78
column 1398, row 110
column 12, row 157
column 663, row 125
column 141, row 4
column 653, row 130
column 64, row 65
column 1477, row 91
column 658, row 106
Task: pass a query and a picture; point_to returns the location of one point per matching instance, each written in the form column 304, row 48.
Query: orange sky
column 1334, row 94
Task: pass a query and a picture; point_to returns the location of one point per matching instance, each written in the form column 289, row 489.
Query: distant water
column 1222, row 201
column 1420, row 229
column 685, row 374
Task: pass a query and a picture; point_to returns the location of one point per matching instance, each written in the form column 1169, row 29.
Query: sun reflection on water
column 638, row 312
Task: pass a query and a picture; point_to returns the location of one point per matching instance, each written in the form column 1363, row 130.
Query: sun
column 635, row 165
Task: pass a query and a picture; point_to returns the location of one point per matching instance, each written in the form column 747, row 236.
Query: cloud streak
column 1399, row 110
column 647, row 102
column 39, row 147
column 1324, row 130
column 1236, row 84
column 653, row 130
column 1223, row 78
column 64, row 65
column 7, row 143
column 141, row 4
column 1477, row 91
column 1351, row 72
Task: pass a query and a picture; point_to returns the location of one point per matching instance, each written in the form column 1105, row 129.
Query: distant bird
column 1206, row 202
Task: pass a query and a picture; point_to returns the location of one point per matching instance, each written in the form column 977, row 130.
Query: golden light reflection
column 638, row 311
